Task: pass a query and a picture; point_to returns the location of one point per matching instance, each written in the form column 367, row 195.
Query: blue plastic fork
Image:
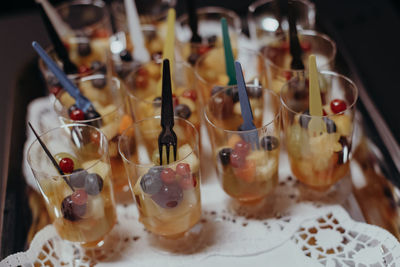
column 251, row 134
column 81, row 101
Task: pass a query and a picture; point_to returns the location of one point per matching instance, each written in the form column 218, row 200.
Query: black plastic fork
column 167, row 136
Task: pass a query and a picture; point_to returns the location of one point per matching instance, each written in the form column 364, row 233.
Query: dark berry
column 224, row 155
column 168, row 176
column 84, row 49
column 305, row 119
column 94, row 116
column 98, row 67
column 78, row 178
column 99, row 83
column 330, row 125
column 191, row 94
column 157, row 102
column 183, row 169
column 182, row 111
column 338, row 105
column 151, row 184
column 254, row 91
column 72, row 211
column 93, row 184
column 217, row 89
column 211, row 40
column 125, row 55
column 169, row 196
column 77, row 115
column 79, row 197
column 237, row 160
column 269, row 143
column 66, row 165
column 234, row 93
column 193, row 57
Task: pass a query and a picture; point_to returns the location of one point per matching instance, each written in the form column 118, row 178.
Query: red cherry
column 55, row 89
column 287, row 75
column 242, row 147
column 168, row 175
column 191, row 94
column 324, row 112
column 305, row 46
column 183, row 169
column 77, row 115
column 83, row 69
column 285, row 45
column 79, row 197
column 188, row 183
column 237, row 159
column 101, row 33
column 141, row 82
column 66, row 165
column 338, row 105
column 143, row 72
column 203, row 49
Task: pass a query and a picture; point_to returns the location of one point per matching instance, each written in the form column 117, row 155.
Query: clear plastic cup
column 247, row 171
column 87, row 214
column 262, row 18
column 209, row 29
column 167, row 196
column 278, row 57
column 319, row 160
column 115, row 117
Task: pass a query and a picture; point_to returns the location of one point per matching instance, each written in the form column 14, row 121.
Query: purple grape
column 183, row 111
column 93, row 184
column 151, row 183
column 72, row 211
column 169, row 196
column 269, row 142
column 224, row 155
column 78, row 177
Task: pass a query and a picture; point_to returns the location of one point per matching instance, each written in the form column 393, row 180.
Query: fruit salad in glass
column 279, row 57
column 247, row 171
column 112, row 117
column 80, row 202
column 319, row 160
column 167, row 196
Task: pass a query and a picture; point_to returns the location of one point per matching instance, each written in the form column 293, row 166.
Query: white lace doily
column 288, row 229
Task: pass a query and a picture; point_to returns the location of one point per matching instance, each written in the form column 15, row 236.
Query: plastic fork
column 295, row 48
column 193, row 21
column 167, row 136
column 316, row 125
column 250, row 137
column 229, row 60
column 59, row 47
column 81, row 101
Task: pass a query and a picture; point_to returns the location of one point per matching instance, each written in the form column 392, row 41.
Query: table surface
column 361, row 25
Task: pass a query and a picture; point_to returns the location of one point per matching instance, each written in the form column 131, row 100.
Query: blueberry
column 224, row 155
column 183, row 111
column 269, row 142
column 155, row 171
column 92, row 114
column 234, row 93
column 254, row 91
column 72, row 211
column 330, row 125
column 305, row 119
column 211, row 40
column 193, row 58
column 125, row 55
column 93, row 184
column 99, row 83
column 78, row 178
column 217, row 89
column 84, row 49
column 157, row 102
column 151, row 183
column 169, row 196
column 98, row 67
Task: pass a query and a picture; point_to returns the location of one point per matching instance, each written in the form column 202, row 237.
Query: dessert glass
column 278, row 57
column 210, row 71
column 263, row 22
column 115, row 117
column 247, row 173
column 86, row 215
column 167, row 196
column 209, row 29
column 144, row 92
column 319, row 160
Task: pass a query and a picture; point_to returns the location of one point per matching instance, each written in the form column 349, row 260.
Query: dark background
column 369, row 31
